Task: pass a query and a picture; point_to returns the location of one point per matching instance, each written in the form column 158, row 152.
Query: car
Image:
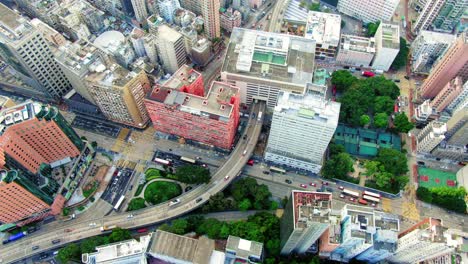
column 288, row 181
column 204, row 165
column 92, row 224
column 244, row 137
column 174, row 202
column 199, row 200
column 35, row 247
column 303, row 185
column 342, row 196
column 188, row 188
column 68, row 230
column 341, row 188
column 329, row 189
column 56, row 241
column 324, row 183
column 170, row 149
column 421, row 163
column 352, row 199
column 396, row 80
column 130, row 216
column 43, row 256
column 312, row 184
column 266, row 172
column 226, row 177
column 407, row 77
column 373, row 205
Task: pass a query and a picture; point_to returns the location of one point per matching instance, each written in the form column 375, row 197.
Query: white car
column 130, row 216
column 92, row 224
column 174, row 202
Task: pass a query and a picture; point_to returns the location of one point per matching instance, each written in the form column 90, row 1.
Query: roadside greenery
column 90, row 188
column 161, row 191
column 136, row 204
column 372, row 28
column 402, row 124
column 152, row 174
column 402, row 56
column 192, row 174
column 445, row 197
column 139, row 189
column 339, row 164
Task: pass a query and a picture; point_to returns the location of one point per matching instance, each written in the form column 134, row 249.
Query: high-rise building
column 40, row 9
column 179, row 107
column 457, row 128
column 230, row 19
column 171, row 48
column 368, row 11
column 460, row 102
column 446, row 96
column 356, row 51
column 440, row 15
column 141, row 12
column 301, row 129
column 167, row 9
column 255, row 3
column 115, row 44
column 387, row 45
column 427, row 48
column 430, row 136
column 325, row 29
column 27, row 51
column 210, row 13
column 192, row 5
column 453, row 63
column 138, row 42
column 239, row 250
column 306, row 217
column 262, row 64
column 201, row 52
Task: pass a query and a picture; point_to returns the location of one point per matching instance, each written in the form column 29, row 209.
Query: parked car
column 35, row 247
column 342, row 196
column 56, row 241
column 312, row 184
column 288, row 181
column 303, row 185
column 324, row 183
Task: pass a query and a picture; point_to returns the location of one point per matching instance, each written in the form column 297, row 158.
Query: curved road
column 82, row 229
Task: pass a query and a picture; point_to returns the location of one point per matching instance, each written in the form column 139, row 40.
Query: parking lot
column 117, row 186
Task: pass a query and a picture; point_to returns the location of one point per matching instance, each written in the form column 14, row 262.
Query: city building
column 430, row 136
column 306, row 217
column 53, row 37
column 210, row 13
column 6, row 102
column 368, row 11
column 450, row 152
column 239, row 250
column 387, row 45
column 356, row 51
column 230, row 19
column 301, row 129
column 76, row 19
column 457, row 128
column 440, row 15
column 427, row 48
column 40, row 9
column 201, row 52
column 190, row 37
column 171, row 48
column 26, row 50
column 325, row 29
column 138, row 41
column 115, row 44
column 192, row 5
column 367, row 234
column 179, row 107
column 141, row 12
column 262, row 64
column 167, row 9
column 460, row 102
column 424, row 113
column 166, row 247
column 423, row 243
column 446, row 96
column 453, row 63
column 462, row 177
column 124, row 252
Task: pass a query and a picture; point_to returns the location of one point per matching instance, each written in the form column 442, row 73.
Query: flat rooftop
column 357, row 43
column 12, row 26
column 244, row 248
column 18, row 113
column 432, row 36
column 362, row 222
column 185, row 75
column 311, row 207
column 296, row 14
column 390, row 35
column 80, row 56
column 386, row 221
column 270, row 56
column 169, row 34
column 119, row 250
column 324, row 28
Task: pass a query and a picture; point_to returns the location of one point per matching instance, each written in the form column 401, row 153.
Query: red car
column 312, row 184
column 303, row 185
column 368, row 74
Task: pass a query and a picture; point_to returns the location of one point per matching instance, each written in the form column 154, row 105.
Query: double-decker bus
column 350, row 193
column 371, row 194
column 189, row 160
column 371, row 198
column 119, row 203
column 275, row 169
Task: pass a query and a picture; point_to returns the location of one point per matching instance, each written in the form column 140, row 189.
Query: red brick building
column 182, row 109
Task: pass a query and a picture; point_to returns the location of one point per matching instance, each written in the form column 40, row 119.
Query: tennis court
column 430, row 178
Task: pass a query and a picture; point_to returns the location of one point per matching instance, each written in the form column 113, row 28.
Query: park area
column 430, row 178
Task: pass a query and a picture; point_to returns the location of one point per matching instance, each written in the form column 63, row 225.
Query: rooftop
column 113, row 252
column 390, row 35
column 357, row 43
column 295, row 13
column 386, row 221
column 18, row 113
column 185, row 75
column 272, row 56
column 432, row 36
column 324, row 28
column 137, row 33
column 244, row 248
column 12, row 25
column 79, row 56
column 362, row 222
column 110, row 40
column 310, row 207
column 169, row 34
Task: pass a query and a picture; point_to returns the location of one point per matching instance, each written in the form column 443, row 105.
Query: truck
column 105, row 228
column 368, row 74
column 378, row 71
column 259, row 116
column 15, row 237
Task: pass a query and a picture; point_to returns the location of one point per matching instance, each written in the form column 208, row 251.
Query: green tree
column 314, row 7
column 342, row 79
column 365, row 120
column 384, row 104
column 68, row 253
column 119, row 234
column 194, row 221
column 343, row 23
column 136, row 204
column 192, row 174
column 274, row 205
column 372, row 28
column 211, row 227
column 383, row 179
column 161, row 191
column 381, row 120
column 372, row 167
column 379, row 86
column 338, row 166
column 302, row 4
column 335, row 149
column 393, row 161
column 402, row 124
column 273, row 248
column 89, row 245
column 245, row 205
column 225, row 231
column 179, row 226
column 402, row 56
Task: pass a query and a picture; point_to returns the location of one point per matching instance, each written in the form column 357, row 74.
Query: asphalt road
column 79, row 229
column 117, row 186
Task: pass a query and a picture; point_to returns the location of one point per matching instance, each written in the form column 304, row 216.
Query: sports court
column 430, row 178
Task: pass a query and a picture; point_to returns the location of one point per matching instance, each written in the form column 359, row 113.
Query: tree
column 381, row 120
column 192, row 174
column 335, row 149
column 343, row 23
column 314, row 7
column 365, row 120
column 179, row 226
column 402, row 124
column 342, row 80
column 393, row 161
column 245, row 205
column 372, row 28
column 70, row 252
column 372, row 167
column 194, row 221
column 136, row 204
column 384, row 104
column 383, row 179
column 402, row 56
column 211, row 227
column 89, row 245
column 119, row 234
column 338, row 166
column 302, row 4
column 272, row 246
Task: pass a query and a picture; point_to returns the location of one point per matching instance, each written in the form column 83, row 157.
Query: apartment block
column 450, row 152
column 230, row 19
column 424, row 113
column 210, row 13
column 262, row 64
column 301, row 129
column 325, row 29
column 201, row 52
column 26, row 50
column 460, row 102
column 40, row 9
column 239, row 250
column 453, row 63
column 138, row 41
column 368, row 11
column 446, row 96
column 430, row 10
column 167, row 9
column 141, row 12
column 192, row 5
column 116, row 45
column 427, row 48
column 306, row 217
column 430, row 136
column 356, row 51
column 387, row 45
column 171, row 48
column 179, row 107
column 449, row 16
column 457, row 128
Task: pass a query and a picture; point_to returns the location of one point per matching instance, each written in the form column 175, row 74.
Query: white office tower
column 26, row 50
column 167, row 9
column 387, row 45
column 301, row 129
column 141, row 12
column 430, row 136
column 368, row 11
column 171, row 48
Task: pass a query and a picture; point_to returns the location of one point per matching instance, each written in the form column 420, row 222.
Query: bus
column 275, row 169
column 350, row 193
column 259, row 116
column 371, row 194
column 119, row 203
column 189, row 160
column 162, row 161
column 370, row 198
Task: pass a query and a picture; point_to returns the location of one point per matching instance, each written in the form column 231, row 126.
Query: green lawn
column 152, row 173
column 161, row 191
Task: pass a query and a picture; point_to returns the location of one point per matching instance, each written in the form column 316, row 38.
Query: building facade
column 171, row 48
column 453, row 63
column 325, row 29
column 460, row 102
column 301, row 129
column 138, row 42
column 167, row 9
column 441, row 15
column 230, row 19
column 430, row 136
column 387, row 45
column 356, row 51
column 446, row 96
column 457, row 128
column 210, row 13
column 141, row 12
column 368, row 11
